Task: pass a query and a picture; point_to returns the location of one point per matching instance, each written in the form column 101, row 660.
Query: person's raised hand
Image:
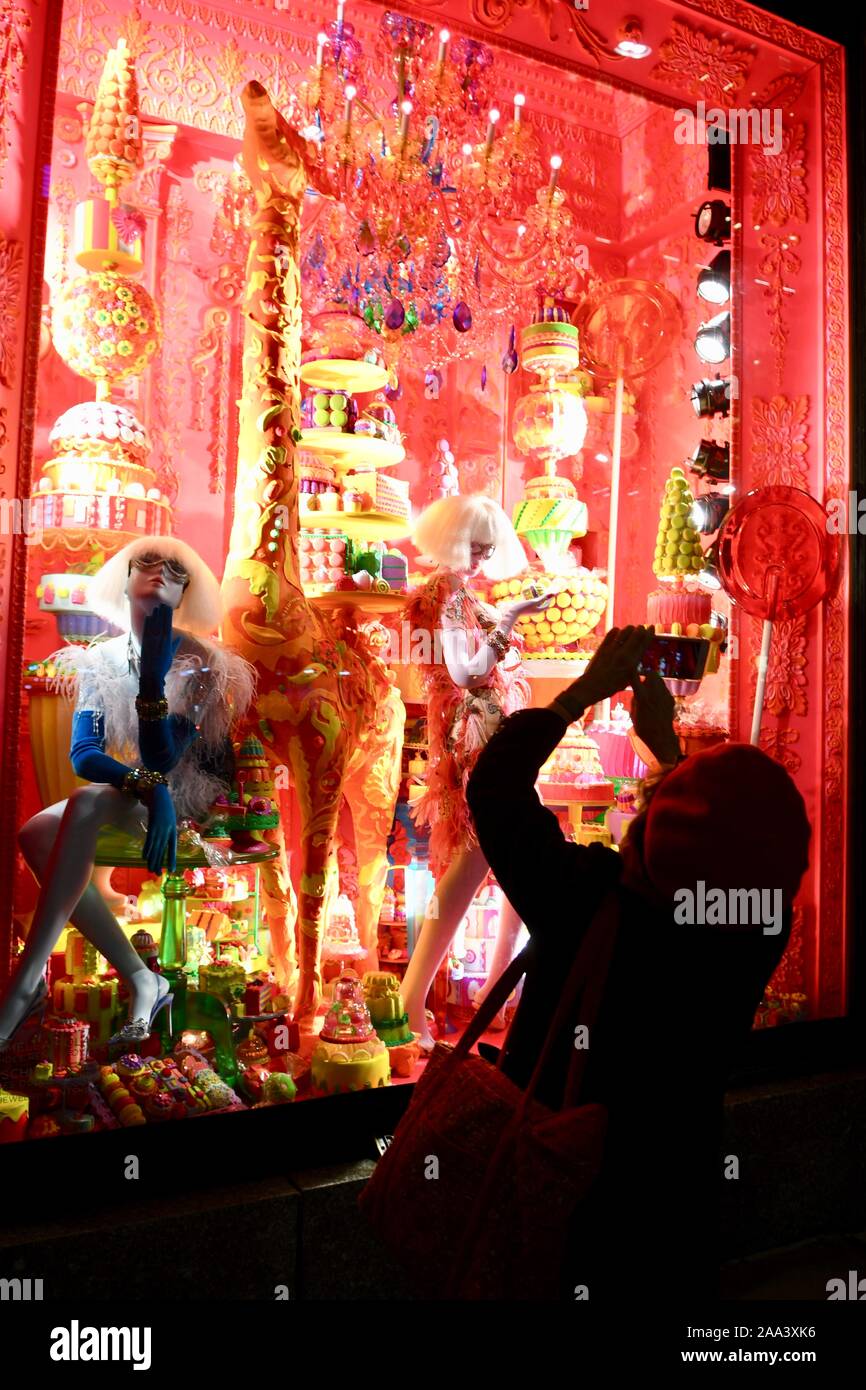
column 612, row 668
column 652, row 714
column 158, row 647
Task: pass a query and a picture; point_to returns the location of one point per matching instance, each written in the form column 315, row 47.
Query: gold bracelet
column 140, row 780
column 499, row 642
column 151, row 710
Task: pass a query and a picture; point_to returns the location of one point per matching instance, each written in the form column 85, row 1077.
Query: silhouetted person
column 680, row 996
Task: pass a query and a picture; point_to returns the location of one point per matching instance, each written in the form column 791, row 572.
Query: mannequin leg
column 58, row 845
column 503, row 953
column 453, row 894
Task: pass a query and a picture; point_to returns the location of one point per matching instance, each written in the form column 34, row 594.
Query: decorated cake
column 395, row 570
column 389, row 496
column 550, row 343
column 65, row 595
column 223, row 978
column 617, row 755
column 341, row 940
column 349, row 1056
column 385, row 1002
column 574, row 772
column 678, row 608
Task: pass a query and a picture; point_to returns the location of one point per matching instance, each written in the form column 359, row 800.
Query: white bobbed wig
column 445, row 530
column 198, row 612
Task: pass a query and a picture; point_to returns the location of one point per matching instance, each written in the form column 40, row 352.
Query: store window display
column 474, row 679
column 153, row 713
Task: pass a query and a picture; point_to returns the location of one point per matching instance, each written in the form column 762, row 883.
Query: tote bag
column 478, row 1193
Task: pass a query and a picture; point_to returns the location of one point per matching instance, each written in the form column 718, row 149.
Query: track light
column 714, row 281
column 709, row 512
column 631, row 44
column 712, row 396
column 710, row 460
column 713, row 339
column 713, row 221
column 710, row 576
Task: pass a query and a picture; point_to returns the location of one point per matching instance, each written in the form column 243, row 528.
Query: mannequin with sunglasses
column 150, row 734
column 473, row 679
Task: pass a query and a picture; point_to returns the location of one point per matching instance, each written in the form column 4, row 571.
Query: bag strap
column 586, row 981
column 590, row 966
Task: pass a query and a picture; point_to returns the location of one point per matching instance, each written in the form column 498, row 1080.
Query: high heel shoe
column 36, row 1006
column 138, row 1030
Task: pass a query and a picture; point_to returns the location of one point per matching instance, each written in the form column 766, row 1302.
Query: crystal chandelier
column 441, row 220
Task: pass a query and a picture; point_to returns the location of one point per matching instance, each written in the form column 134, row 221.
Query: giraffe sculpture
column 327, row 706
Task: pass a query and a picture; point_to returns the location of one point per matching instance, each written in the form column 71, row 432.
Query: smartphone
column 675, row 658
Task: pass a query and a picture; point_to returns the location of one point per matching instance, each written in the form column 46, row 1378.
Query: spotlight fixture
column 710, row 576
column 630, row 42
column 709, row 512
column 712, row 396
column 713, row 222
column 713, row 339
column 714, row 281
column 711, row 460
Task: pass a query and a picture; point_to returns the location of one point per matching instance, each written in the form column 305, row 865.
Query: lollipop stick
column 613, row 523
column 763, row 663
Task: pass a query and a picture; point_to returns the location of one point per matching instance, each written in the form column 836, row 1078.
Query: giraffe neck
column 266, row 498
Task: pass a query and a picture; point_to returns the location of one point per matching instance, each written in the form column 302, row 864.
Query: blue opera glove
column 158, row 650
column 87, row 750
column 160, row 844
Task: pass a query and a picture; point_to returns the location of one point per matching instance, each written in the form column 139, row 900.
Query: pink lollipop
column 777, row 559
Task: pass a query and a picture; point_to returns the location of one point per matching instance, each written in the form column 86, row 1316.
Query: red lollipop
column 777, row 559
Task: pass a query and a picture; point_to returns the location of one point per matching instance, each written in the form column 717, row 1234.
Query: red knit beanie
column 730, row 816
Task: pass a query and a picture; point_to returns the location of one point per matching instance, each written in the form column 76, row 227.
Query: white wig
column 445, row 530
column 199, row 610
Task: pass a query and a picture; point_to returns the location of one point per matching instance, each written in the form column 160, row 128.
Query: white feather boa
column 210, row 685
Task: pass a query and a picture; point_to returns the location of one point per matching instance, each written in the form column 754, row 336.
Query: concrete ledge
column 225, row 1243
column 801, row 1146
column 802, row 1151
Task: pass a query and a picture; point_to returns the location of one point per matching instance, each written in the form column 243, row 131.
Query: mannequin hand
column 158, row 648
column 652, row 714
column 509, row 614
column 613, row 668
column 160, row 845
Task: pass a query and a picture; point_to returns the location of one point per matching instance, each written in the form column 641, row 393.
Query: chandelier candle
column 555, row 166
column 444, row 36
column 519, row 102
column 491, row 131
column 406, row 108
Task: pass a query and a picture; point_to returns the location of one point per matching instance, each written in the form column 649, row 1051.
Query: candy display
column 349, row 1056
column 678, row 544
column 329, row 410
column 106, row 327
column 576, row 610
column 353, row 305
